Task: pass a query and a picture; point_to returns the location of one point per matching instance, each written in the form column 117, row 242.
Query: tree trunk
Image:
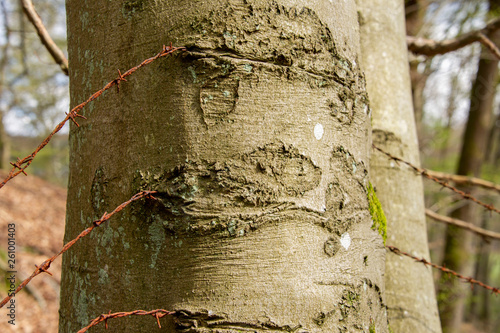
column 415, row 13
column 459, row 247
column 479, row 308
column 257, row 140
column 385, row 63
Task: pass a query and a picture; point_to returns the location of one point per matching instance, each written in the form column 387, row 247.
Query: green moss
column 372, row 328
column 377, row 213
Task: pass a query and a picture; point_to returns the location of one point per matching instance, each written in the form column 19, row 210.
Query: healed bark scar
column 198, row 322
column 218, row 98
column 235, row 193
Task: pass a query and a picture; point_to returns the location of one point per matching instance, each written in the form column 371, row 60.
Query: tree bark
column 459, row 247
column 385, row 63
column 256, row 139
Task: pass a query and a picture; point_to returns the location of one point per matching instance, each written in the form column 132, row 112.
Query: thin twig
column 464, row 180
column 445, row 270
column 430, row 47
column 490, row 45
column 42, row 32
column 462, row 224
column 43, row 268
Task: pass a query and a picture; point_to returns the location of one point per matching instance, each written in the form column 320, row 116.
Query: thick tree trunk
column 257, row 140
column 459, row 246
column 410, row 292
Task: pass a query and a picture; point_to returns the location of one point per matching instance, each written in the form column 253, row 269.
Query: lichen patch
column 218, row 99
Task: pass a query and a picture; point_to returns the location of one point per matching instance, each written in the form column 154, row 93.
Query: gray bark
column 256, row 139
column 410, row 292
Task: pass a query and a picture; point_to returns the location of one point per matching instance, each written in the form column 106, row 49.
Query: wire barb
column 18, row 165
column 73, row 115
column 118, row 80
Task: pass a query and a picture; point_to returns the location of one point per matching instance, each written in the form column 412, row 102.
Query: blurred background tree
column 456, row 108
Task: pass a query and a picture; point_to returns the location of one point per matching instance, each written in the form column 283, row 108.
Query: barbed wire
column 464, row 278
column 424, row 173
column 43, row 268
column 20, row 165
column 158, row 313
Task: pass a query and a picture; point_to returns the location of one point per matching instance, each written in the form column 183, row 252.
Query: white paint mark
column 318, row 131
column 345, row 241
column 308, row 118
column 346, row 200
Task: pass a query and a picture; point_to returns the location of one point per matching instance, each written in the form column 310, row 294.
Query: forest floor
column 37, row 209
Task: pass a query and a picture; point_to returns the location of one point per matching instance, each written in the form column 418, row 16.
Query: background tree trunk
column 385, row 63
column 459, row 247
column 257, row 140
column 415, row 13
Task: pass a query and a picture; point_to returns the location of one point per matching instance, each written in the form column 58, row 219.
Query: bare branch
column 490, row 45
column 49, row 43
column 431, row 47
column 464, row 180
column 462, row 224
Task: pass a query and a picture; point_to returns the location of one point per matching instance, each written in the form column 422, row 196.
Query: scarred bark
column 256, row 139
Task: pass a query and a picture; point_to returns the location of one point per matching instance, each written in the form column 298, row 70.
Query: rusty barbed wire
column 158, row 313
column 43, row 268
column 464, row 278
column 424, row 173
column 21, row 164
